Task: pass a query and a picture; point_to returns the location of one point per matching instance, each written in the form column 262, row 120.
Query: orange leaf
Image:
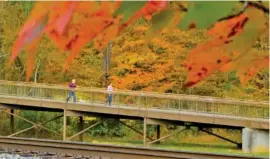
column 91, row 28
column 202, row 66
column 107, row 35
column 86, row 7
column 110, row 7
column 248, row 66
column 253, row 68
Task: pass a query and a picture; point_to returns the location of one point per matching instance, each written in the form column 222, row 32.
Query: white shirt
column 110, row 89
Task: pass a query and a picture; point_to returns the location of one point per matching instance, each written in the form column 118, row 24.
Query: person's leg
column 110, row 99
column 107, row 100
column 69, row 95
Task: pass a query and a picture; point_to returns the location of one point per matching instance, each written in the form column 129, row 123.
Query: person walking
column 71, row 93
column 109, row 91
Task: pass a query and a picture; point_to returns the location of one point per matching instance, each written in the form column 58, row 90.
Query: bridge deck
column 196, row 109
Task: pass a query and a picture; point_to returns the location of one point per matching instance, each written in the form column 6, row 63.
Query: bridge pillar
column 64, row 125
column 158, row 133
column 144, row 131
column 80, row 127
column 12, row 121
column 255, row 140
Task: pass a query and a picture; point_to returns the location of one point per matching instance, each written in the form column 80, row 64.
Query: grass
column 194, row 144
column 214, row 148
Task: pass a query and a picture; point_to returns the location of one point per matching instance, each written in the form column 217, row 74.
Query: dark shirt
column 72, row 86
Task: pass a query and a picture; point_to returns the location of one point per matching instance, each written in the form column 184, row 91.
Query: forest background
column 153, row 66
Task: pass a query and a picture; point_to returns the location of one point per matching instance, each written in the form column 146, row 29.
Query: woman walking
column 109, row 91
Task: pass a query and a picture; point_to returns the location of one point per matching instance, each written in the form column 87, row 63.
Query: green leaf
column 265, row 4
column 128, row 8
column 162, row 19
column 159, row 21
column 205, row 13
column 254, row 27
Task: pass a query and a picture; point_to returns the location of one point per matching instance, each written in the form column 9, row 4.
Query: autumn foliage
column 232, row 31
column 229, row 41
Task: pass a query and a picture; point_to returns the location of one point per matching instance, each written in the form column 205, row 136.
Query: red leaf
column 58, row 22
column 31, row 54
column 32, row 28
column 152, row 7
column 30, row 31
column 147, row 11
column 231, row 38
column 63, row 19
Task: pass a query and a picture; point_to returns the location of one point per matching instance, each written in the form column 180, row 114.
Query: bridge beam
column 80, row 125
column 255, row 140
column 221, row 137
column 31, row 122
column 34, row 126
column 135, row 130
column 158, row 122
column 79, row 133
column 167, row 136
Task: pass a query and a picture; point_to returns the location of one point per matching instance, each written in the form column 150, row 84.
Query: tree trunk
column 36, row 72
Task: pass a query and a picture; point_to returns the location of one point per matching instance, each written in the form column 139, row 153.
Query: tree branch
column 182, row 8
column 245, row 4
column 237, row 14
column 259, row 6
column 36, row 72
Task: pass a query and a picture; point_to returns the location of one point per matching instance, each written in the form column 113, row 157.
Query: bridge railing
column 177, row 102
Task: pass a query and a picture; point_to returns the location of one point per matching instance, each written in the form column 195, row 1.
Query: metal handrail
column 197, row 98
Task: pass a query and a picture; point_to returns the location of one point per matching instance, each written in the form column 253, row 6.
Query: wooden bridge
column 153, row 108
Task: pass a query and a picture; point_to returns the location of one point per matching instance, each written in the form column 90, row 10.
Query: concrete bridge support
column 255, row 140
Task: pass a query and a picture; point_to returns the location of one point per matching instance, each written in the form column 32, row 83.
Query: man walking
column 71, row 93
column 109, row 91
